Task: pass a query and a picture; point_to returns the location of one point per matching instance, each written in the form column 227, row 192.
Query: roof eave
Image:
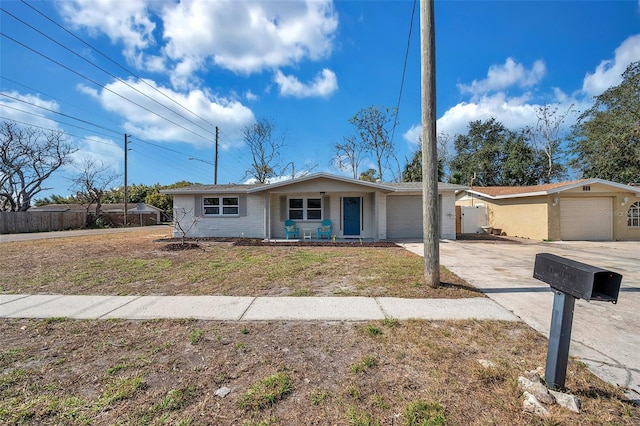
column 271, row 186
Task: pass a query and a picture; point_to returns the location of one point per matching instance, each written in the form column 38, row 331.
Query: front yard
column 63, row 371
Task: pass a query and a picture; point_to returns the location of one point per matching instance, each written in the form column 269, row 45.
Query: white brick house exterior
column 357, row 209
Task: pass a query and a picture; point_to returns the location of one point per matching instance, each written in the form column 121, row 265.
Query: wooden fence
column 19, row 222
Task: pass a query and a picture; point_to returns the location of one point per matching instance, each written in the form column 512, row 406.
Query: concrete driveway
column 605, row 336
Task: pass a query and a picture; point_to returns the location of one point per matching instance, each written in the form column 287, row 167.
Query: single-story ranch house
column 587, row 209
column 356, row 209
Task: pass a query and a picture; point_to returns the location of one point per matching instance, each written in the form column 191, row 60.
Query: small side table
column 306, row 234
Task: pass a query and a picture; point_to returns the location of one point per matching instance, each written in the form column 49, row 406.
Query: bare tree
column 28, row 156
column 265, row 150
column 349, row 156
column 92, row 182
column 372, row 127
column 179, row 215
column 546, row 138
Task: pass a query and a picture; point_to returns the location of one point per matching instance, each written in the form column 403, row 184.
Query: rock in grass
column 533, row 406
column 223, row 391
column 538, row 390
column 570, row 402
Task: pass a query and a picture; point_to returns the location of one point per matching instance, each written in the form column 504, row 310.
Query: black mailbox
column 577, row 279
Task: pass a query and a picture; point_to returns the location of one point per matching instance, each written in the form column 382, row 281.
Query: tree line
column 603, row 143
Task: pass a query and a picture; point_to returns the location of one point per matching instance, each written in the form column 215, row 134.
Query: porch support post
column 267, row 216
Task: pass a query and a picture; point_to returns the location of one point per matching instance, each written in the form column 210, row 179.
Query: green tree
column 163, row 201
column 369, row 175
column 522, row 164
column 372, row 129
column 492, row 155
column 55, row 199
column 413, row 169
column 606, row 137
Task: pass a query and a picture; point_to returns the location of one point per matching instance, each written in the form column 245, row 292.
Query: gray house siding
column 249, row 224
column 388, row 210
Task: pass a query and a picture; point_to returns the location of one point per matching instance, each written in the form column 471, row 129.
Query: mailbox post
column 570, row 280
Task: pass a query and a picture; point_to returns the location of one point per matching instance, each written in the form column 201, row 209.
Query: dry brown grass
column 61, row 371
column 135, row 264
column 153, row 372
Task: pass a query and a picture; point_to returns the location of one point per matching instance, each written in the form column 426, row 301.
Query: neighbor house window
column 305, row 208
column 221, row 206
column 633, row 216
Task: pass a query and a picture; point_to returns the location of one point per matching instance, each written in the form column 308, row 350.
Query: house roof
column 498, row 192
column 256, row 188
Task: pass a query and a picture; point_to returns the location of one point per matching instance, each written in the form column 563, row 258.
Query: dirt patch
column 484, row 237
column 180, row 246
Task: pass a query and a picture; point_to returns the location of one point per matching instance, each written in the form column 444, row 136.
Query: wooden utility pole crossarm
column 429, row 146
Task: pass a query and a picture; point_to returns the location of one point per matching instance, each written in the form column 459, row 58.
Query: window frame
column 633, row 215
column 221, row 204
column 303, row 209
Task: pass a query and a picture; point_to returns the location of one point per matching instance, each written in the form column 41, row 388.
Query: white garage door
column 586, row 219
column 404, row 216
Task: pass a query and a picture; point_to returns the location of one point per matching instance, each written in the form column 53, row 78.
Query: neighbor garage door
column 586, row 218
column 404, row 216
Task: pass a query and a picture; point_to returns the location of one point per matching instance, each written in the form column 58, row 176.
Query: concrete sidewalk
column 224, row 308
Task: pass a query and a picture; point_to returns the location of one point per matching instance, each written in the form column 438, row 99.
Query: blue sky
column 305, row 66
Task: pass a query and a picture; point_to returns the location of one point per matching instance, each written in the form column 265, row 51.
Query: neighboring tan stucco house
column 587, row 209
column 357, row 209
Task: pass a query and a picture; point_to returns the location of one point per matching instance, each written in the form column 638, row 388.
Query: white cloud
column 248, row 36
column 500, row 77
column 245, row 36
column 102, row 150
column 250, row 96
column 514, row 113
column 489, row 98
column 127, row 22
column 225, row 113
column 323, row 85
column 608, row 73
column 28, row 109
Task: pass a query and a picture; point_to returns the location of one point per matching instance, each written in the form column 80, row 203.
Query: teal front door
column 351, row 216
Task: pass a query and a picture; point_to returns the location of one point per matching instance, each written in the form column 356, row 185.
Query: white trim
column 558, row 189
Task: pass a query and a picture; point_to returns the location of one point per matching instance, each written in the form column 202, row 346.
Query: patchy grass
column 135, row 263
column 64, row 371
column 416, row 372
column 266, row 392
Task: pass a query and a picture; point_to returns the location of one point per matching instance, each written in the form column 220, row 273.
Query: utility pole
column 215, row 160
column 126, row 149
column 430, row 218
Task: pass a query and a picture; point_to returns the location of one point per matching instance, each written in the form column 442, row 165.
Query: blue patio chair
column 325, row 229
column 290, row 229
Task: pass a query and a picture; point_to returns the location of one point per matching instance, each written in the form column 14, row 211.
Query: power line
column 57, row 112
column 57, row 121
column 100, row 68
column 404, row 70
column 55, row 130
column 230, row 146
column 115, row 62
column 100, row 85
column 62, row 101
